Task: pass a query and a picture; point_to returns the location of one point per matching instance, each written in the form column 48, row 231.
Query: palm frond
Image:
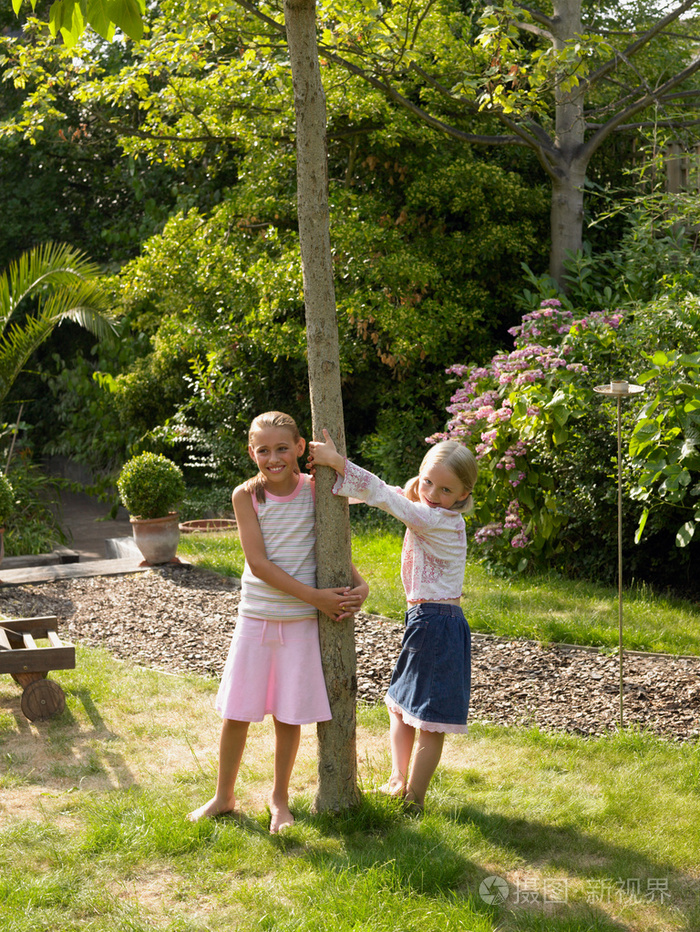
column 67, row 287
column 91, row 320
column 41, row 270
column 83, row 302
column 17, row 344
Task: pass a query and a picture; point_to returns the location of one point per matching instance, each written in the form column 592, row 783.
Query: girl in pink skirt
column 274, row 663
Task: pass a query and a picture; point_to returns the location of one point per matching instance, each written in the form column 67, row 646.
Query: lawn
column 577, row 834
column 524, row 830
column 545, row 608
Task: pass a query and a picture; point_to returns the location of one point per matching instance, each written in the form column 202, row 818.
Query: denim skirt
column 431, row 682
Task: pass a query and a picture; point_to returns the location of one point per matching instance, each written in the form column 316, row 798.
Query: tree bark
column 566, row 219
column 569, row 136
column 337, row 764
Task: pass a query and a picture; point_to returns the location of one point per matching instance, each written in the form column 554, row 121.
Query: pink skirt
column 274, row 668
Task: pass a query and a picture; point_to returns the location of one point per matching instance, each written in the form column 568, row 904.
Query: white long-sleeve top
column 434, row 553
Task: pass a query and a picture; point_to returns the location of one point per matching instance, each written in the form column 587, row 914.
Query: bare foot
column 394, row 786
column 214, row 807
column 412, row 806
column 281, row 819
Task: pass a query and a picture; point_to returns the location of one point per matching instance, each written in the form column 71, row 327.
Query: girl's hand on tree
column 338, row 603
column 361, row 590
column 325, row 454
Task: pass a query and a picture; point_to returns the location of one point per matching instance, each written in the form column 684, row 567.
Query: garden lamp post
column 619, row 390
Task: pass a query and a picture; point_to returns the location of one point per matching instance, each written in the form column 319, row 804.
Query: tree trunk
column 571, row 163
column 337, row 765
column 566, row 219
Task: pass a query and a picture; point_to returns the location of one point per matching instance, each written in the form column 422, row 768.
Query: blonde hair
column 256, row 485
column 458, row 459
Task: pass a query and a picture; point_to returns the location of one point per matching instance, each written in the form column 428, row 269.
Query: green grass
column 589, row 834
column 544, row 608
column 218, row 551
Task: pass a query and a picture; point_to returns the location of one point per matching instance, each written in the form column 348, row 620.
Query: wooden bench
column 28, row 663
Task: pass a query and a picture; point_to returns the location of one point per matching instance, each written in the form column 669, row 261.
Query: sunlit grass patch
column 110, row 848
column 220, row 552
column 545, row 608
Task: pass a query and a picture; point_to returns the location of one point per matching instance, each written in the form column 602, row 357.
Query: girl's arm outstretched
column 326, row 454
column 359, row 485
column 336, row 603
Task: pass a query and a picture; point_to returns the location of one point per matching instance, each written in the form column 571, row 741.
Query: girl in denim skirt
column 429, row 691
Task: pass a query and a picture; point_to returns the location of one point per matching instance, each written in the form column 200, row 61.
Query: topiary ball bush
column 7, row 499
column 150, row 485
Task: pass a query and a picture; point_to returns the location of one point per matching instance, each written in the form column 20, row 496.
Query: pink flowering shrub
column 530, row 417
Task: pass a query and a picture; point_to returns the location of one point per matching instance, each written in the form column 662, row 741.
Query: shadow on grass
column 55, row 750
column 567, row 880
column 564, row 860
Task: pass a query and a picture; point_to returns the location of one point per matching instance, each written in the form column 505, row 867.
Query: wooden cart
column 28, row 663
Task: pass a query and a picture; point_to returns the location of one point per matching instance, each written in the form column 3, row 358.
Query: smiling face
column 439, row 487
column 275, row 452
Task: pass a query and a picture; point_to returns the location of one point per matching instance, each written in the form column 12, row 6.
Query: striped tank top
column 288, row 530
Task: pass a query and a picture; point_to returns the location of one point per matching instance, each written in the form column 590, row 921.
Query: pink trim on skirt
column 274, row 668
column 424, row 726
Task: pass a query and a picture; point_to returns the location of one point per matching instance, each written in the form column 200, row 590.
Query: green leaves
column 70, row 17
column 150, row 485
column 65, row 286
column 685, row 534
column 7, row 499
column 665, row 439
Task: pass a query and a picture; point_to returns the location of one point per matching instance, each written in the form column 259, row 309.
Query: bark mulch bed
column 181, row 619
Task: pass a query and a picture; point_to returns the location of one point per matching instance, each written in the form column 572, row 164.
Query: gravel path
column 181, row 620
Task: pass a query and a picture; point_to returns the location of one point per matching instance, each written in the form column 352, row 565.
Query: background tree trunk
column 337, row 765
column 570, row 173
column 566, row 220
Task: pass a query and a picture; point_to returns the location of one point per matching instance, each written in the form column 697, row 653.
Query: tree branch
column 651, row 124
column 123, row 130
column 390, row 91
column 639, row 43
column 535, row 30
column 532, row 136
column 537, row 15
column 419, row 22
column 646, row 101
column 254, row 11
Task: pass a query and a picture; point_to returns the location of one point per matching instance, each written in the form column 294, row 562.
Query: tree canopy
column 420, row 231
column 555, row 78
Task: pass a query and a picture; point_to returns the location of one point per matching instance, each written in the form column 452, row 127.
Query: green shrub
column 519, row 414
column 150, row 485
column 547, row 444
column 83, row 417
column 665, row 443
column 7, row 499
column 33, row 524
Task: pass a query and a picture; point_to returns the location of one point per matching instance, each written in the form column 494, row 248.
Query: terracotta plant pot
column 157, row 538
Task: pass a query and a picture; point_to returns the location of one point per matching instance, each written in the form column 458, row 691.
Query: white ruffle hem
column 414, row 722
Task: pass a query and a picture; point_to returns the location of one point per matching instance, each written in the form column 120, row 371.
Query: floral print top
column 434, row 553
